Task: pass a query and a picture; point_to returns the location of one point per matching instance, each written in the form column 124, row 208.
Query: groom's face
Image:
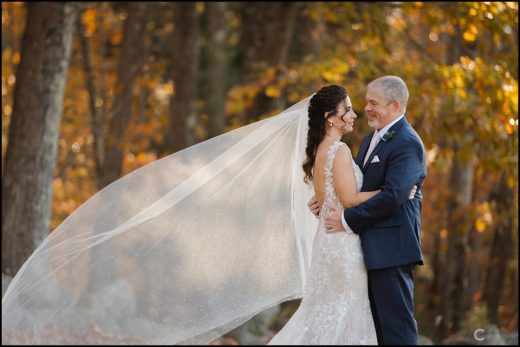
column 378, row 110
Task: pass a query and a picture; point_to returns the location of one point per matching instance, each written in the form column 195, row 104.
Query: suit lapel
column 386, row 138
column 363, row 149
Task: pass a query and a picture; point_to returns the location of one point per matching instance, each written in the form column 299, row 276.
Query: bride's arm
column 345, row 180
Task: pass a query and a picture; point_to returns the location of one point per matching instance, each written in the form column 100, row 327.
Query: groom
column 391, row 158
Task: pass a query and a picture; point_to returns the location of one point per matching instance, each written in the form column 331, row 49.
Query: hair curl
column 325, row 100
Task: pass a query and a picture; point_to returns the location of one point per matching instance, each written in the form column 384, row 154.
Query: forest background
column 120, row 85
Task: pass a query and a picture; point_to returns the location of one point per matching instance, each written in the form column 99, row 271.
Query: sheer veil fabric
column 179, row 251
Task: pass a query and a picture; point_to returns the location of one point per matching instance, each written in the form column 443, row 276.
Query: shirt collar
column 383, row 131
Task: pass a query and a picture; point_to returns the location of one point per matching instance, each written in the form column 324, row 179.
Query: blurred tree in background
column 147, row 79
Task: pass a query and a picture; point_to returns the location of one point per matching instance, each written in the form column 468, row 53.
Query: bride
column 190, row 246
column 335, row 308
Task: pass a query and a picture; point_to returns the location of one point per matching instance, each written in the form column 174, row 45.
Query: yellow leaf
column 16, row 58
column 89, row 15
column 273, row 91
column 480, row 225
column 465, row 60
column 91, row 27
column 459, row 81
column 471, row 34
column 89, row 20
column 496, row 38
column 330, row 76
column 341, row 67
column 82, row 172
column 462, row 93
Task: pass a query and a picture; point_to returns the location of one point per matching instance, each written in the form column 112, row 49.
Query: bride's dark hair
column 325, row 100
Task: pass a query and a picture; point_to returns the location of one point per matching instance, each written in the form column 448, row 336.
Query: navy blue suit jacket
column 389, row 224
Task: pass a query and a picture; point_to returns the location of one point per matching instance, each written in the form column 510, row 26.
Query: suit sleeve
column 404, row 169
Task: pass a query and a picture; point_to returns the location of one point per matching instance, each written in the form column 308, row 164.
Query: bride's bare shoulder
column 343, row 152
column 342, row 159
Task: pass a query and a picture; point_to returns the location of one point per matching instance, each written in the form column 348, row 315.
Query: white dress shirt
column 381, row 133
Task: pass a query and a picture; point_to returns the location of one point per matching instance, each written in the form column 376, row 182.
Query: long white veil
column 179, row 251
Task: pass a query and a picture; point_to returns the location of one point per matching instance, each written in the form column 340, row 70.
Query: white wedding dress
column 335, row 307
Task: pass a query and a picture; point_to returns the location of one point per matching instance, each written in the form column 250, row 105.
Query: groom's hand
column 314, row 206
column 333, row 222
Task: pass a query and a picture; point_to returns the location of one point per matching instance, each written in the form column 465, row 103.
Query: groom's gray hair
column 393, row 88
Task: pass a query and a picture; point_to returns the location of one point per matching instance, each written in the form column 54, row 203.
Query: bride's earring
column 330, row 124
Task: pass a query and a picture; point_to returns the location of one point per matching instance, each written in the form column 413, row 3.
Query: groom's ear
column 395, row 105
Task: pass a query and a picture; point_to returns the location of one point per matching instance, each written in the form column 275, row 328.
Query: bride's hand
column 412, row 193
column 314, row 206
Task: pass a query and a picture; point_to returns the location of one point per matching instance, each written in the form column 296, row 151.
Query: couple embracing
column 159, row 273
column 361, row 277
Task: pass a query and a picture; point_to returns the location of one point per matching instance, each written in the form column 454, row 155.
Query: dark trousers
column 391, row 302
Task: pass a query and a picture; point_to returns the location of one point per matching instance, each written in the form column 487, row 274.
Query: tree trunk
column 96, row 117
column 184, row 70
column 454, row 257
column 305, row 45
column 438, row 225
column 216, row 67
column 34, row 130
column 435, row 288
column 130, row 64
column 133, row 52
column 459, row 224
column 268, row 30
column 501, row 252
column 474, row 265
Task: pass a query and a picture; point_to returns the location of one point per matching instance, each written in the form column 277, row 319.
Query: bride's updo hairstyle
column 327, row 99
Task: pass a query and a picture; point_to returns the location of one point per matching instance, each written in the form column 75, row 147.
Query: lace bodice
column 331, row 198
column 335, row 309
